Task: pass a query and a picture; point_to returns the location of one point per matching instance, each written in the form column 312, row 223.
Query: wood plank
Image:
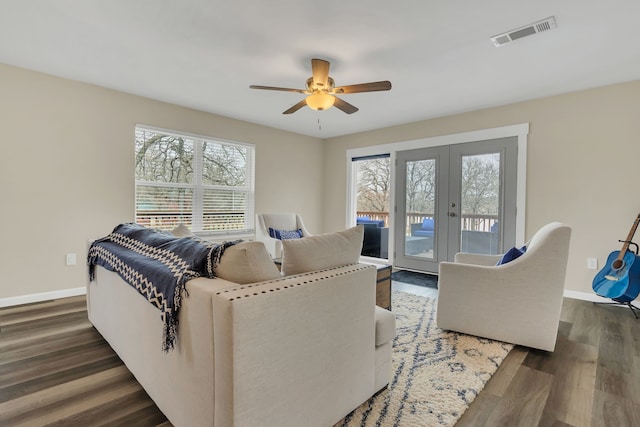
column 23, row 313
column 586, row 323
column 39, row 329
column 37, row 367
column 43, row 305
column 47, row 381
column 478, row 413
column 500, row 381
column 147, row 415
column 524, row 400
column 128, row 406
column 46, row 345
column 569, row 307
column 617, row 372
column 14, row 408
column 610, row 410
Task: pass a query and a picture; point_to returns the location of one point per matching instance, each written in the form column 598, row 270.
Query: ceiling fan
column 322, row 92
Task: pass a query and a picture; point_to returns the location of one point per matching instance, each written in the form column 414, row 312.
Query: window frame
column 199, row 188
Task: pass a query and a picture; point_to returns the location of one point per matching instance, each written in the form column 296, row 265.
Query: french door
column 455, row 198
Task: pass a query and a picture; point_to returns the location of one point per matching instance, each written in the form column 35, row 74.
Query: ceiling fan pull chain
column 319, row 125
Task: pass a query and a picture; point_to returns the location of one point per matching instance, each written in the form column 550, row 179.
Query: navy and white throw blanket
column 158, row 265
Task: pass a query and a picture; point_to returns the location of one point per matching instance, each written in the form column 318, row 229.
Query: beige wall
column 582, row 157
column 67, row 171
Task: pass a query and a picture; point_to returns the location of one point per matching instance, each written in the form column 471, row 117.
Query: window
column 372, row 189
column 205, row 184
column 372, row 186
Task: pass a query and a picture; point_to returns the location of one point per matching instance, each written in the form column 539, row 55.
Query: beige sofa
column 304, row 349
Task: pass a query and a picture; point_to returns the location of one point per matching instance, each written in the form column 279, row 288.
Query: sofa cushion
column 322, row 251
column 385, row 326
column 181, row 231
column 247, row 262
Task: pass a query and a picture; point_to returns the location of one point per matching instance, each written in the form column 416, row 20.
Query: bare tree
column 163, row 158
column 480, row 186
column 373, row 185
column 421, row 183
column 224, row 164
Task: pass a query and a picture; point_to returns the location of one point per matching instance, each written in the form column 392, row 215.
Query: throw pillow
column 181, row 231
column 285, row 234
column 322, row 251
column 511, row 254
column 247, row 262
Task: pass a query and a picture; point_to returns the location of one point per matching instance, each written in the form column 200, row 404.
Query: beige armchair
column 277, row 221
column 518, row 302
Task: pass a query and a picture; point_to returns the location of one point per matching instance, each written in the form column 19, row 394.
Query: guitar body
column 621, row 285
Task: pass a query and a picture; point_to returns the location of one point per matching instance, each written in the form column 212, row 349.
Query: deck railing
column 236, row 220
column 211, row 221
column 473, row 222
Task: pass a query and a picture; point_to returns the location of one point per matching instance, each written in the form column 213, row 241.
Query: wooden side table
column 383, row 285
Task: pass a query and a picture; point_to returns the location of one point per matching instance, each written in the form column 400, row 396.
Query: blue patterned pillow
column 512, row 254
column 285, row 234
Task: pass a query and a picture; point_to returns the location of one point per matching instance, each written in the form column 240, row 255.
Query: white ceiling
column 204, row 54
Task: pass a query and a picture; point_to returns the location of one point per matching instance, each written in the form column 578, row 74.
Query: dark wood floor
column 55, row 369
column 591, row 379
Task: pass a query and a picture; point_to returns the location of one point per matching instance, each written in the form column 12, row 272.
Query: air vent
column 528, row 30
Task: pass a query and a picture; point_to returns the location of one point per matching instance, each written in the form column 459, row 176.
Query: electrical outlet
column 592, row 263
column 71, row 259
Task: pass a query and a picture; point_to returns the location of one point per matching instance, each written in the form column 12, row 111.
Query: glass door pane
column 419, row 208
column 480, row 203
column 482, row 197
column 421, row 197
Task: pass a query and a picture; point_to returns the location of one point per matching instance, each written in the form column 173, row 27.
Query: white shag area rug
column 436, row 374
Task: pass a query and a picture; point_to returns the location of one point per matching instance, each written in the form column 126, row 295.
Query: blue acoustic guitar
column 620, row 278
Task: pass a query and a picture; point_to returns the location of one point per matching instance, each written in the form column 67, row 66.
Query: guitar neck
column 627, row 241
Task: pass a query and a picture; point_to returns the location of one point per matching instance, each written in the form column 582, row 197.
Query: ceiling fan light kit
column 321, row 90
column 320, row 100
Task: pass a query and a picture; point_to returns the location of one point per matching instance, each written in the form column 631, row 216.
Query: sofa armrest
column 308, row 339
column 181, row 381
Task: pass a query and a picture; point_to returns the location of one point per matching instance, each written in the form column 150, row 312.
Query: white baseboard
column 586, row 296
column 44, row 296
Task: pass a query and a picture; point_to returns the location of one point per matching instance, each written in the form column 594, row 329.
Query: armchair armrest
column 477, row 259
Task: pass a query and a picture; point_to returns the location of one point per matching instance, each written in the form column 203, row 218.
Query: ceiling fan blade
column 296, row 107
column 283, row 89
column 344, row 106
column 365, row 87
column 320, row 72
